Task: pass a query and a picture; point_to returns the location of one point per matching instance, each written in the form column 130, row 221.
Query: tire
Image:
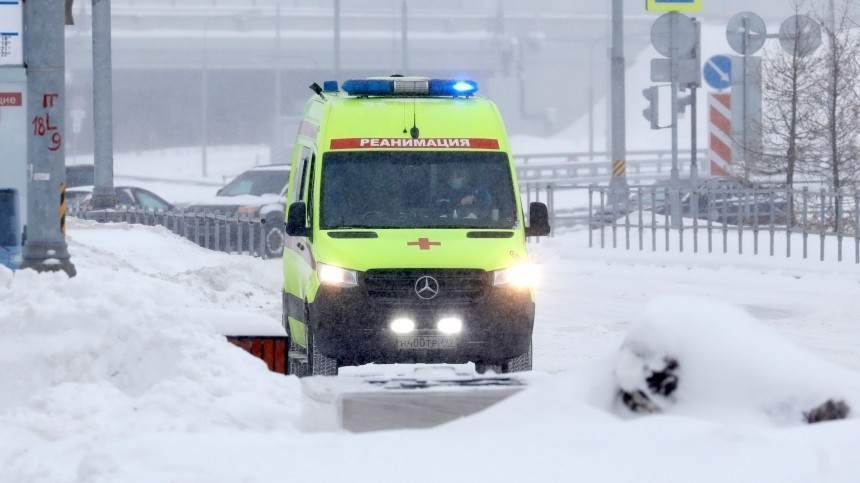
column 520, row 363
column 297, row 366
column 318, row 364
column 273, row 237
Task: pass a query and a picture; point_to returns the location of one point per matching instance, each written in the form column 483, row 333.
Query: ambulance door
column 298, row 260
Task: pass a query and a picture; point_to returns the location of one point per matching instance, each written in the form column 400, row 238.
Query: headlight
column 248, row 210
column 336, row 276
column 523, row 275
column 450, row 325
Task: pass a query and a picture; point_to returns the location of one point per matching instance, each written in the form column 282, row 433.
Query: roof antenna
column 414, row 131
column 404, row 116
column 316, row 88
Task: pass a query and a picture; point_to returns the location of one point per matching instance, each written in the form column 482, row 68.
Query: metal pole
column 44, row 51
column 337, row 39
column 746, row 94
column 277, row 62
column 619, row 175
column 675, row 202
column 276, row 152
column 104, row 196
column 591, row 102
column 694, row 161
column 204, row 99
column 404, row 39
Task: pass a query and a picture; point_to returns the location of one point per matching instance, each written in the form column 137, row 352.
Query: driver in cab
column 461, row 197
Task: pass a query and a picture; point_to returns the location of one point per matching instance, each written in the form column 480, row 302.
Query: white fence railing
column 793, row 222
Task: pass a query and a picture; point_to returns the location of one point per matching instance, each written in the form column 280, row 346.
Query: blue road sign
column 718, row 72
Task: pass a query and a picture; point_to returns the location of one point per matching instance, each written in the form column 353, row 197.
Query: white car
column 259, row 192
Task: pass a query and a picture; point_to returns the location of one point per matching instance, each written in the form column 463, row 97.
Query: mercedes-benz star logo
column 427, row 287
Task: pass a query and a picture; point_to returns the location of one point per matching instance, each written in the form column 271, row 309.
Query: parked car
column 80, row 198
column 720, row 199
column 80, row 175
column 733, row 202
column 258, row 192
column 654, row 198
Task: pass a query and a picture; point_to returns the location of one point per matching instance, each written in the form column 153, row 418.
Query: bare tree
column 838, row 120
column 791, row 97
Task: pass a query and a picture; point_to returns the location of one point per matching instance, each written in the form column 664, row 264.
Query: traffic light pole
column 618, row 182
column 675, row 201
column 44, row 51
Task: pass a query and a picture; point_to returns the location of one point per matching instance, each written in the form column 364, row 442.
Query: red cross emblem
column 423, row 243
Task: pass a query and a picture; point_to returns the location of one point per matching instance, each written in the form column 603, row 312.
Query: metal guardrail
column 651, row 167
column 597, row 156
column 725, row 217
column 238, row 234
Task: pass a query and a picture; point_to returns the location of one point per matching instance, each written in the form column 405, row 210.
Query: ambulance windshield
column 409, row 189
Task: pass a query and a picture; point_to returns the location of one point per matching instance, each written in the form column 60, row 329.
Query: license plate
column 426, row 342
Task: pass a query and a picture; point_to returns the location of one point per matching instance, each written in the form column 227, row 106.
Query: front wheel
column 273, row 237
column 319, row 364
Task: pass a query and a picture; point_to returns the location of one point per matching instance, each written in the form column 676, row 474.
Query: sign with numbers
column 11, row 32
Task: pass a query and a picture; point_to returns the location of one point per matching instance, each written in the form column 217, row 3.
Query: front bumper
column 351, row 325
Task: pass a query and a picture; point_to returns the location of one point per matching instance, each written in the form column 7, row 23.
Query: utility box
column 13, row 135
column 270, row 349
column 10, row 231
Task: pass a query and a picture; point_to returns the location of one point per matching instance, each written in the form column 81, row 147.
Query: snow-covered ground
column 123, row 374
column 120, row 374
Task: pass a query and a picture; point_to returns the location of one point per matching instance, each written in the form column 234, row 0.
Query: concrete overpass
column 249, row 60
column 242, row 63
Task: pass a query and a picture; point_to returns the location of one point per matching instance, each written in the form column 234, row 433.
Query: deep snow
column 120, row 375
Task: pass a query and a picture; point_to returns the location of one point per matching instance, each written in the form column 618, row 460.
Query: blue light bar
column 456, row 88
column 369, row 87
column 410, row 88
column 330, row 86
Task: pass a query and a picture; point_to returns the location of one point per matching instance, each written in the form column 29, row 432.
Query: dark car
column 80, row 198
column 719, row 199
column 654, row 197
column 259, row 192
column 80, row 175
column 731, row 201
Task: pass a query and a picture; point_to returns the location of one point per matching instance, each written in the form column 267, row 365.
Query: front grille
column 457, row 287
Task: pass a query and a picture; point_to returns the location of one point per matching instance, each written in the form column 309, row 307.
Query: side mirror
column 538, row 220
column 296, row 217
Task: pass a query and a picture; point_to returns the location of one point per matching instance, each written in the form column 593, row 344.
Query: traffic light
column 652, row 112
column 70, row 20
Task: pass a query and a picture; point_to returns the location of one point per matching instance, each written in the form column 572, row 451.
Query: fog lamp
column 450, row 325
column 402, row 325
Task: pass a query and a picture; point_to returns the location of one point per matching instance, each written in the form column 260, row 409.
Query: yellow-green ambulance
column 406, row 237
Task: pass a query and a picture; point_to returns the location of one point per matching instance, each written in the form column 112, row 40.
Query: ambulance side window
column 302, row 174
column 310, row 191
